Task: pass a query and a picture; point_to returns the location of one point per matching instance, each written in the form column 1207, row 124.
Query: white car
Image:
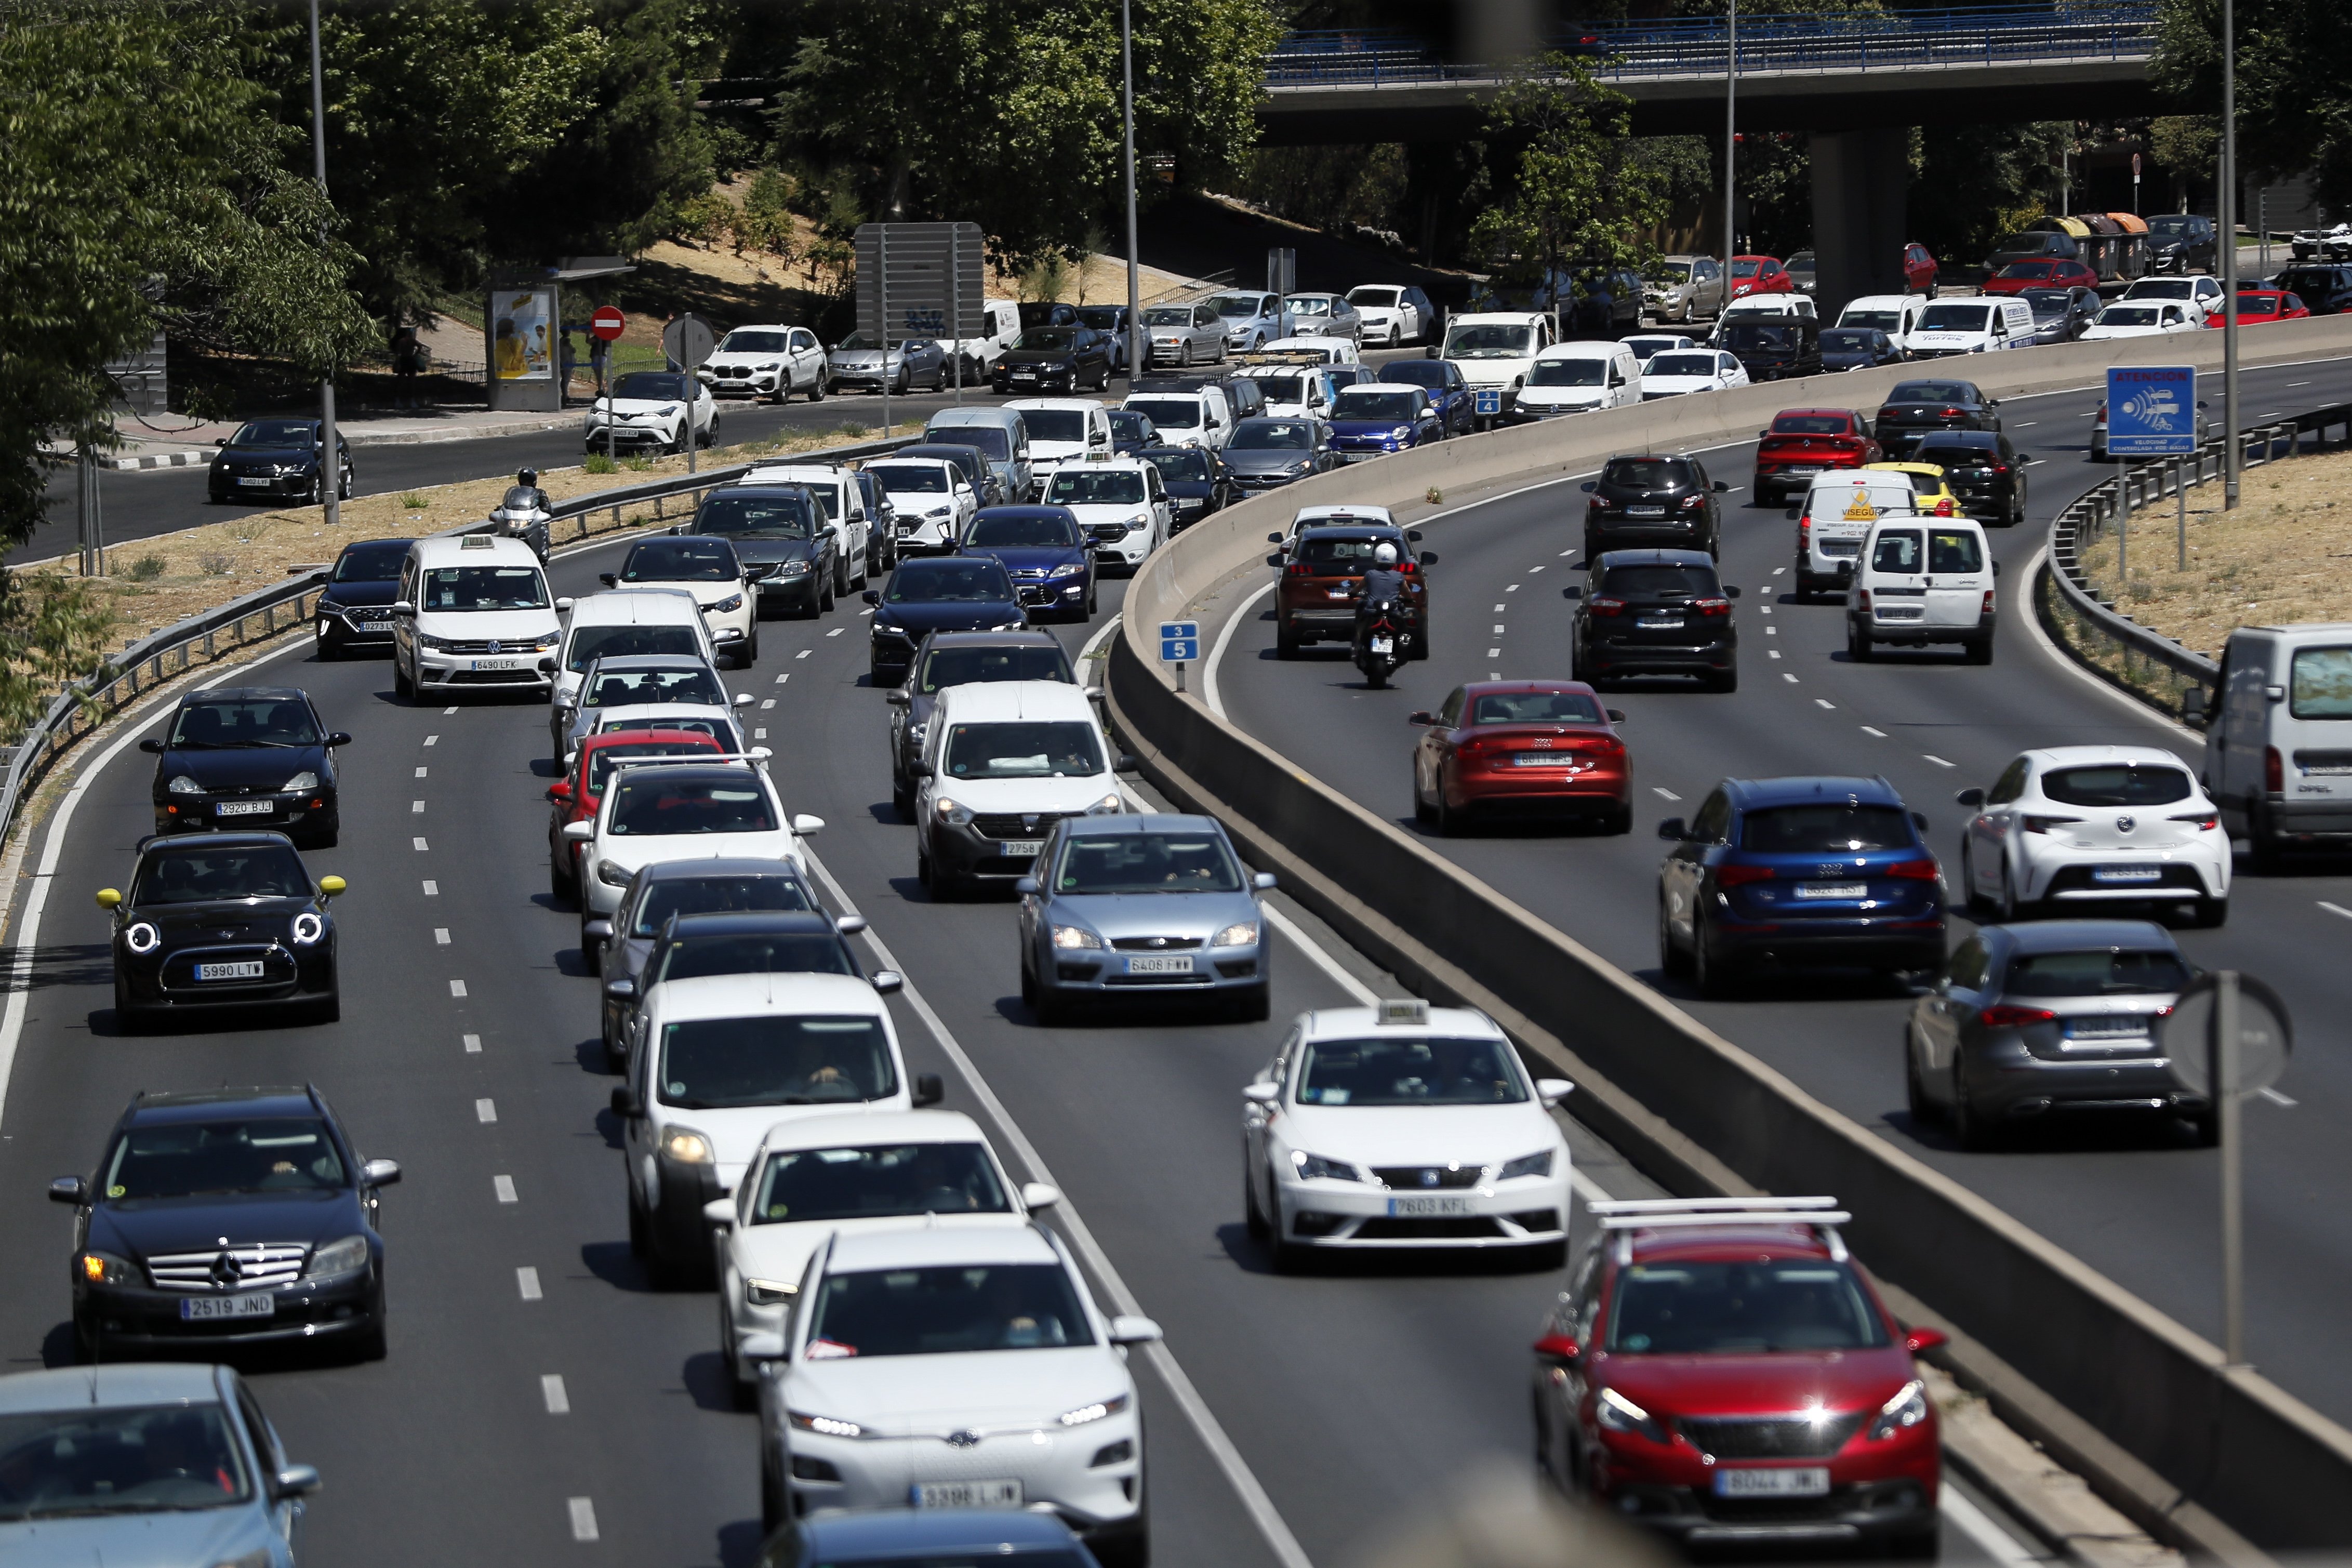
column 1326, row 350
column 662, row 619
column 678, row 811
column 1677, row 372
column 1647, row 346
column 845, row 511
column 653, row 408
column 1402, row 1125
column 1121, row 505
column 473, row 611
column 2071, row 828
column 1577, row 378
column 1062, row 430
column 1293, row 391
column 769, row 362
column 956, row 1367
column 707, row 569
column 1189, row 417
column 1919, row 581
column 1393, row 315
column 1001, row 762
column 714, row 1063
column 820, row 1175
column 631, row 682
column 2201, row 291
column 932, row 502
column 2142, row 319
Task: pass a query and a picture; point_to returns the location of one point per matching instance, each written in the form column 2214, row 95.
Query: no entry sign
column 607, row 323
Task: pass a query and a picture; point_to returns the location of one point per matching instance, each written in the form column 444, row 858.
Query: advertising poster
column 522, row 326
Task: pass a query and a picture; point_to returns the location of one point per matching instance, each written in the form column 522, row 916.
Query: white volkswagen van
column 473, row 611
column 1577, row 378
column 1896, row 315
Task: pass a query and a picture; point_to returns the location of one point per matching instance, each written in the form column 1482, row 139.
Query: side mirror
column 1420, row 716
column 1919, row 820
column 108, row 898
column 1263, row 881
column 151, row 746
column 1971, row 798
column 2192, row 705
column 1721, row 488
column 331, row 886
column 380, row 1173
column 1429, row 558
column 1134, row 1332
column 610, row 579
column 70, row 1190
column 1428, row 353
column 1124, row 762
column 806, row 825
column 897, row 696
column 850, row 925
column 1589, row 486
column 1731, row 592
column 927, row 1090
column 597, row 930
column 1794, row 512
column 1552, row 1091
column 742, row 699
column 403, row 607
column 295, row 1480
column 870, row 596
column 547, row 667
column 563, row 605
column 1919, row 1342
column 1275, row 561
column 620, row 990
column 1035, row 1195
column 1413, row 536
column 1558, row 1348
column 1274, row 538
column 1028, row 887
column 1672, row 831
column 1262, row 1093
column 220, row 440
column 579, row 832
column 1616, row 715
column 720, row 1214
column 560, row 790
column 920, row 770
column 627, row 1103
column 1761, row 434
column 339, row 738
column 887, row 981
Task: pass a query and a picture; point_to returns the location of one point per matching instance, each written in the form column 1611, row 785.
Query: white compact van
column 1002, row 762
column 1199, row 416
column 1896, row 315
column 1495, row 350
column 2278, row 751
column 1577, row 378
column 1062, row 430
column 474, row 612
column 1922, row 580
column 1837, row 510
column 1975, row 325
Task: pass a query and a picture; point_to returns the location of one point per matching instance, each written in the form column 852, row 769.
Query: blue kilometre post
column 1180, row 645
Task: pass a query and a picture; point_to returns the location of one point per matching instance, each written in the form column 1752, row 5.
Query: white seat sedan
column 934, row 502
column 844, row 1174
column 652, row 409
column 956, row 1367
column 2079, row 825
column 1402, row 1125
column 1677, row 372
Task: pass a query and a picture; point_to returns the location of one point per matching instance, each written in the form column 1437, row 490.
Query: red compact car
column 1522, row 748
column 2020, row 276
column 575, row 798
column 1803, row 442
column 1759, row 275
column 1722, row 1372
column 1919, row 270
column 2257, row 306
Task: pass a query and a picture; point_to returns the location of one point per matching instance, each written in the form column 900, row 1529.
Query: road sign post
column 606, row 326
column 1180, row 645
column 687, row 341
column 920, row 280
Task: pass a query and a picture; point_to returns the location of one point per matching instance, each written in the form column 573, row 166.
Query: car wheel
column 1253, row 1004
column 2010, row 907
column 1724, row 680
column 1422, row 811
column 1448, row 821
column 1857, row 643
column 1914, row 1092
column 2210, row 912
column 1672, row 959
column 1286, row 642
column 2266, row 852
column 1708, row 973
column 1396, row 335
column 128, row 1019
column 330, row 1011
column 402, row 686
column 591, row 950
column 368, row 1344
column 840, row 576
column 641, row 1241
column 1978, row 650
column 1252, row 1216
column 1970, row 1125
column 1618, row 821
column 1051, row 1009
column 1917, row 1545
column 902, row 800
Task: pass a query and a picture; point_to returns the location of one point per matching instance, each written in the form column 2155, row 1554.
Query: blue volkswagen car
column 1373, row 418
column 1778, row 875
column 1449, row 395
column 1044, row 552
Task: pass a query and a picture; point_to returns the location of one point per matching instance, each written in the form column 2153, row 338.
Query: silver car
column 1324, row 316
column 858, row 363
column 1252, row 320
column 666, row 888
column 1147, row 903
column 146, row 1462
column 1684, row 288
column 640, row 680
column 1185, row 334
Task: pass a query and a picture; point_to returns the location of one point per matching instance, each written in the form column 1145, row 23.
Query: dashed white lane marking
column 1823, row 702
column 1498, row 631
column 1513, row 588
column 527, row 1282
column 486, row 1110
column 457, row 988
column 2336, row 909
column 441, row 936
column 432, row 890
column 1937, row 760
column 758, row 734
column 1531, row 570
column 1494, row 653
column 767, row 704
column 1663, row 793
column 782, row 679
column 1778, row 570
column 2298, row 384
column 1771, row 652
column 420, row 773
column 473, row 1045
column 2275, row 1098
column 432, row 740
column 1568, row 553
column 583, row 1518
column 1499, row 609
column 2029, row 423
column 504, row 1186
column 804, row 653
column 1868, row 731
column 415, row 808
column 835, row 632
column 551, row 1388
column 419, row 843
column 1787, row 677
column 451, row 709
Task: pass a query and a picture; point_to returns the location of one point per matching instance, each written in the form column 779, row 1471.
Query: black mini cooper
column 229, row 920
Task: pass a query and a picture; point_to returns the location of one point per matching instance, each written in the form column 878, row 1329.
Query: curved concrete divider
column 1695, row 1109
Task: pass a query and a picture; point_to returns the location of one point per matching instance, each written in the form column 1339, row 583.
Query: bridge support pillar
column 1859, row 178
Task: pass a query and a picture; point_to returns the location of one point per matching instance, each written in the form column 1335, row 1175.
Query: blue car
column 1373, row 418
column 925, row 1538
column 1785, row 874
column 1044, row 553
column 937, row 593
column 1449, row 395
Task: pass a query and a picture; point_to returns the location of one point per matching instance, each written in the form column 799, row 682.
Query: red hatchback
column 1522, row 748
column 1803, row 442
column 1723, row 1373
column 575, row 798
column 2020, row 276
column 2257, row 306
column 1759, row 275
column 1919, row 270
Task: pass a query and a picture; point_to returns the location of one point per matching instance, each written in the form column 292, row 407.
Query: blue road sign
column 1179, row 642
column 2151, row 410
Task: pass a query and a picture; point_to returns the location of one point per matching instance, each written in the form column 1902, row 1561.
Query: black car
column 1655, row 612
column 245, row 757
column 1857, row 347
column 1266, row 454
column 228, row 1217
column 1773, row 348
column 780, row 534
column 228, row 921
column 2032, row 245
column 2184, row 242
column 971, row 462
column 355, row 611
column 1131, row 431
column 938, row 594
column 1665, row 502
column 1054, row 359
column 2326, row 288
column 1983, row 470
column 1442, row 379
column 960, row 659
column 1914, row 407
column 2061, row 314
column 275, row 460
column 1198, row 483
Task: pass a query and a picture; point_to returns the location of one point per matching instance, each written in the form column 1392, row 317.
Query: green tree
column 2294, row 84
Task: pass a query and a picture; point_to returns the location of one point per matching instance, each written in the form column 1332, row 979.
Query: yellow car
column 1927, row 483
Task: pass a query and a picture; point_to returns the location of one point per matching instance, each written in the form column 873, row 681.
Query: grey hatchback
column 1154, row 901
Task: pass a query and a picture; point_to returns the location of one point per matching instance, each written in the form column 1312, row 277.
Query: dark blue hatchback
column 1784, row 874
column 1043, row 551
column 925, row 1538
column 1372, row 418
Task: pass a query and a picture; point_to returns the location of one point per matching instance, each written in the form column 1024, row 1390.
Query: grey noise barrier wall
column 2214, row 1456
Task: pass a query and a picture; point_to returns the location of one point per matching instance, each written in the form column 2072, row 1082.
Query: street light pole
column 330, row 467
column 1731, row 132
column 1134, row 267
column 2232, row 459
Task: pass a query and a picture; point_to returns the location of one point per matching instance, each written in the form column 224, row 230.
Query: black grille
column 1769, row 1437
column 2174, row 880
column 1473, row 1228
column 492, row 678
column 1154, row 943
column 1006, row 825
column 1411, row 1178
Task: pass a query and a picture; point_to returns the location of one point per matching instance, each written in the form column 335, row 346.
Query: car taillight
column 1862, row 599
column 1712, row 606
column 1987, row 604
column 2003, row 1016
column 1805, row 533
column 1599, row 503
column 1735, row 876
column 1602, row 746
column 2001, row 468
column 1297, row 569
column 1605, row 606
column 2206, row 821
column 2274, row 771
column 1954, row 413
column 1691, row 503
column 2044, row 823
column 1919, row 870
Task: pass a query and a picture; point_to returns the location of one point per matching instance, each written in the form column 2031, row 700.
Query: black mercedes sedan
column 227, row 1216
column 355, row 611
column 243, row 757
column 275, row 460
column 1054, row 359
column 1663, row 502
column 229, row 920
column 1914, row 407
column 779, row 535
column 1857, row 347
column 1983, row 470
column 1197, row 480
column 938, row 594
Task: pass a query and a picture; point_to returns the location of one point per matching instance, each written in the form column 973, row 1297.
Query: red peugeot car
column 2257, row 306
column 1721, row 1371
column 575, row 798
column 2020, row 276
column 1803, row 442
column 1522, row 748
column 1759, row 275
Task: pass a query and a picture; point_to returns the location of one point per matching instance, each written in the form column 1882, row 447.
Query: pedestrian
column 404, row 367
column 570, row 365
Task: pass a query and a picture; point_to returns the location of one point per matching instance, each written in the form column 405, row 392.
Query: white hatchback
column 2071, row 827
column 1676, row 372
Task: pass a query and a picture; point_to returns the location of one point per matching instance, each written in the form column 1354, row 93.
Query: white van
column 1922, row 580
column 1001, row 325
column 1896, row 315
column 474, row 612
column 1975, row 325
column 1838, row 510
column 1327, row 351
column 1495, row 350
column 1002, row 762
column 1577, row 378
column 625, row 621
column 2278, row 752
column 1293, row 391
column 1197, row 416
column 1062, row 430
column 845, row 511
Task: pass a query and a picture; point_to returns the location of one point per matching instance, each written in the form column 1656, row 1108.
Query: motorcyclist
column 528, row 482
column 1383, row 585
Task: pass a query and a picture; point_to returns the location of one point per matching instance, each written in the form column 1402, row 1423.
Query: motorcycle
column 523, row 515
column 1383, row 640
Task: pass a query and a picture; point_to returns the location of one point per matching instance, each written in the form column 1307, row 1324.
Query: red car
column 1759, row 275
column 2257, row 306
column 1722, row 1372
column 1521, row 748
column 575, row 798
column 1919, row 270
column 1803, row 442
column 2020, row 276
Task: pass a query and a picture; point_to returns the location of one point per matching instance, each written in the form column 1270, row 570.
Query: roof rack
column 756, row 754
column 1285, row 356
column 1621, row 1217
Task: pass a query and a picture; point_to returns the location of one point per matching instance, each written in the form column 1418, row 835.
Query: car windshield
column 1932, row 392
column 1427, row 374
column 2102, row 971
column 683, row 560
column 1740, row 1309
column 1271, row 435
column 948, row 582
column 1672, row 271
column 1744, row 266
column 630, row 687
column 721, row 733
column 199, row 875
column 217, row 723
column 121, row 1460
column 1413, row 1069
column 866, row 341
column 1022, row 529
column 1168, row 413
column 725, row 893
column 911, row 478
column 1169, row 316
column 1308, row 305
column 2048, row 302
column 661, row 808
column 1846, row 340
column 589, row 644
column 967, row 666
column 752, row 342
column 1833, row 827
column 1186, row 465
column 1192, row 862
column 1101, row 318
column 1569, row 372
column 2164, row 289
column 1956, row 319
column 300, row 433
column 1683, row 582
column 1811, row 424
column 449, row 588
column 811, row 1186
column 1535, row 708
column 1049, row 339
column 1739, row 334
column 1665, row 364
column 2173, row 224
column 1370, row 400
column 2132, row 316
column 1056, row 424
column 1884, row 320
column 939, row 1312
column 752, row 952
column 1031, row 749
column 370, row 563
column 755, row 517
column 1088, row 486
column 985, row 440
column 604, row 759
column 2117, row 784
column 1488, row 341
column 1128, row 425
column 1238, row 306
column 1646, row 473
column 653, row 386
column 196, row 1159
column 1377, row 298
column 774, row 1059
column 2320, row 683
column 1958, row 448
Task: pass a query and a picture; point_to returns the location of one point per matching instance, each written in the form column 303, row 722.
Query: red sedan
column 1759, row 275
column 1522, row 748
column 1803, row 442
column 1723, row 1373
column 575, row 798
column 1919, row 269
column 2257, row 306
column 2020, row 276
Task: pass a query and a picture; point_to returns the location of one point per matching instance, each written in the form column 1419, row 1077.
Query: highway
column 467, row 1052
column 2137, row 1202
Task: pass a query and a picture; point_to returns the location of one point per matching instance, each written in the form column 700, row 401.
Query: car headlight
column 767, row 1292
column 954, row 813
column 792, row 569
column 1297, row 467
column 825, row 1426
column 611, row 875
column 308, row 929
column 1095, row 1412
column 428, row 640
column 183, row 784
column 1110, row 805
column 143, row 938
column 1400, row 433
column 1070, row 570
column 1141, row 520
column 1906, row 1409
column 1075, row 937
column 666, row 410
column 305, row 780
column 1315, row 1168
column 1241, row 933
column 105, row 1268
column 686, row 1146
column 730, row 605
column 338, row 1257
column 1617, row 1413
column 1526, row 1165
column 546, row 641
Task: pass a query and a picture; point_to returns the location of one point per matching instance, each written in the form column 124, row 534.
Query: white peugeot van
column 1922, row 580
column 1896, row 315
column 1838, row 510
column 474, row 612
column 2278, row 752
column 1577, row 378
column 1971, row 326
column 1495, row 350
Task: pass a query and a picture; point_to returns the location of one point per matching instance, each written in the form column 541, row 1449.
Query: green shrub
column 145, row 569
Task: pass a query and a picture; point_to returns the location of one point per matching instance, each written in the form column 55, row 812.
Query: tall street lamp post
column 330, row 467
column 1134, row 267
column 2234, row 458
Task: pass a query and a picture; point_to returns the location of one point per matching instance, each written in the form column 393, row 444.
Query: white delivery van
column 1062, row 430
column 1577, row 378
column 474, row 612
column 1975, row 325
column 1837, row 510
column 1495, row 350
column 1922, row 580
column 1001, row 324
column 1896, row 315
column 2278, row 751
column 1199, row 416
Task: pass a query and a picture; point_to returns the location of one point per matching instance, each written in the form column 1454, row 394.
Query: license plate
column 1901, row 612
column 1809, row 1480
column 1658, row 623
column 257, row 483
column 1339, row 593
column 1359, row 457
column 244, row 808
column 244, row 969
column 1382, row 645
column 370, row 626
column 2106, row 1029
column 1832, row 889
column 497, row 664
column 1645, row 512
column 965, row 1494
column 1427, row 1208
column 1170, row 963
column 1803, row 469
column 1840, row 546
column 904, row 529
column 1543, row 760
column 1487, row 402
column 1021, row 847
column 206, row 1308
column 2127, row 873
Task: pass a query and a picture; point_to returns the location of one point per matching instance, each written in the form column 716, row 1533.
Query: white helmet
column 1384, row 554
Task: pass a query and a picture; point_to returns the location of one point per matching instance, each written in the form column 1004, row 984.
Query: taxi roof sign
column 1407, row 1010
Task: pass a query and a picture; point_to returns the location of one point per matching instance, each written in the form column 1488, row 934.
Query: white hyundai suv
column 2081, row 829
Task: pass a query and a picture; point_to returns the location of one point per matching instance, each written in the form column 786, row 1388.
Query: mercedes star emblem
column 226, row 1270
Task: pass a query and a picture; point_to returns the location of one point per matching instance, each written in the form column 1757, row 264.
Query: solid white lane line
column 1322, row 959
column 457, row 988
column 1204, row 1423
column 1935, row 759
column 1210, row 694
column 1979, row 1527
column 527, row 1282
column 441, row 936
column 2275, row 1098
column 1868, row 731
column 583, row 1518
column 486, row 1110
column 2336, row 909
column 432, row 890
column 473, row 1045
column 551, row 1388
column 505, row 1188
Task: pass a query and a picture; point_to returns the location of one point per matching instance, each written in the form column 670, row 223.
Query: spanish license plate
column 259, row 484
column 207, row 1308
column 904, row 529
column 243, row 969
column 1160, row 963
column 1427, row 1208
column 242, row 807
column 1021, row 847
column 497, row 664
column 1803, row 469
column 1357, row 456
column 965, row 1494
column 1543, row 760
column 2109, row 1028
column 1645, row 512
column 1659, row 623
column 2111, row 874
column 1807, row 1480
column 1901, row 612
column 370, row 626
column 1832, row 889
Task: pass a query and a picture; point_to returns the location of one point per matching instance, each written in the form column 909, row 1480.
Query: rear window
column 1535, row 708
column 1955, row 319
column 589, row 644
column 1897, row 551
column 1680, row 364
column 2118, row 784
column 1811, row 424
column 2104, row 972
column 2321, row 684
column 725, row 894
column 1697, row 581
column 1646, row 473
column 1839, row 827
column 1334, row 555
column 657, row 809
